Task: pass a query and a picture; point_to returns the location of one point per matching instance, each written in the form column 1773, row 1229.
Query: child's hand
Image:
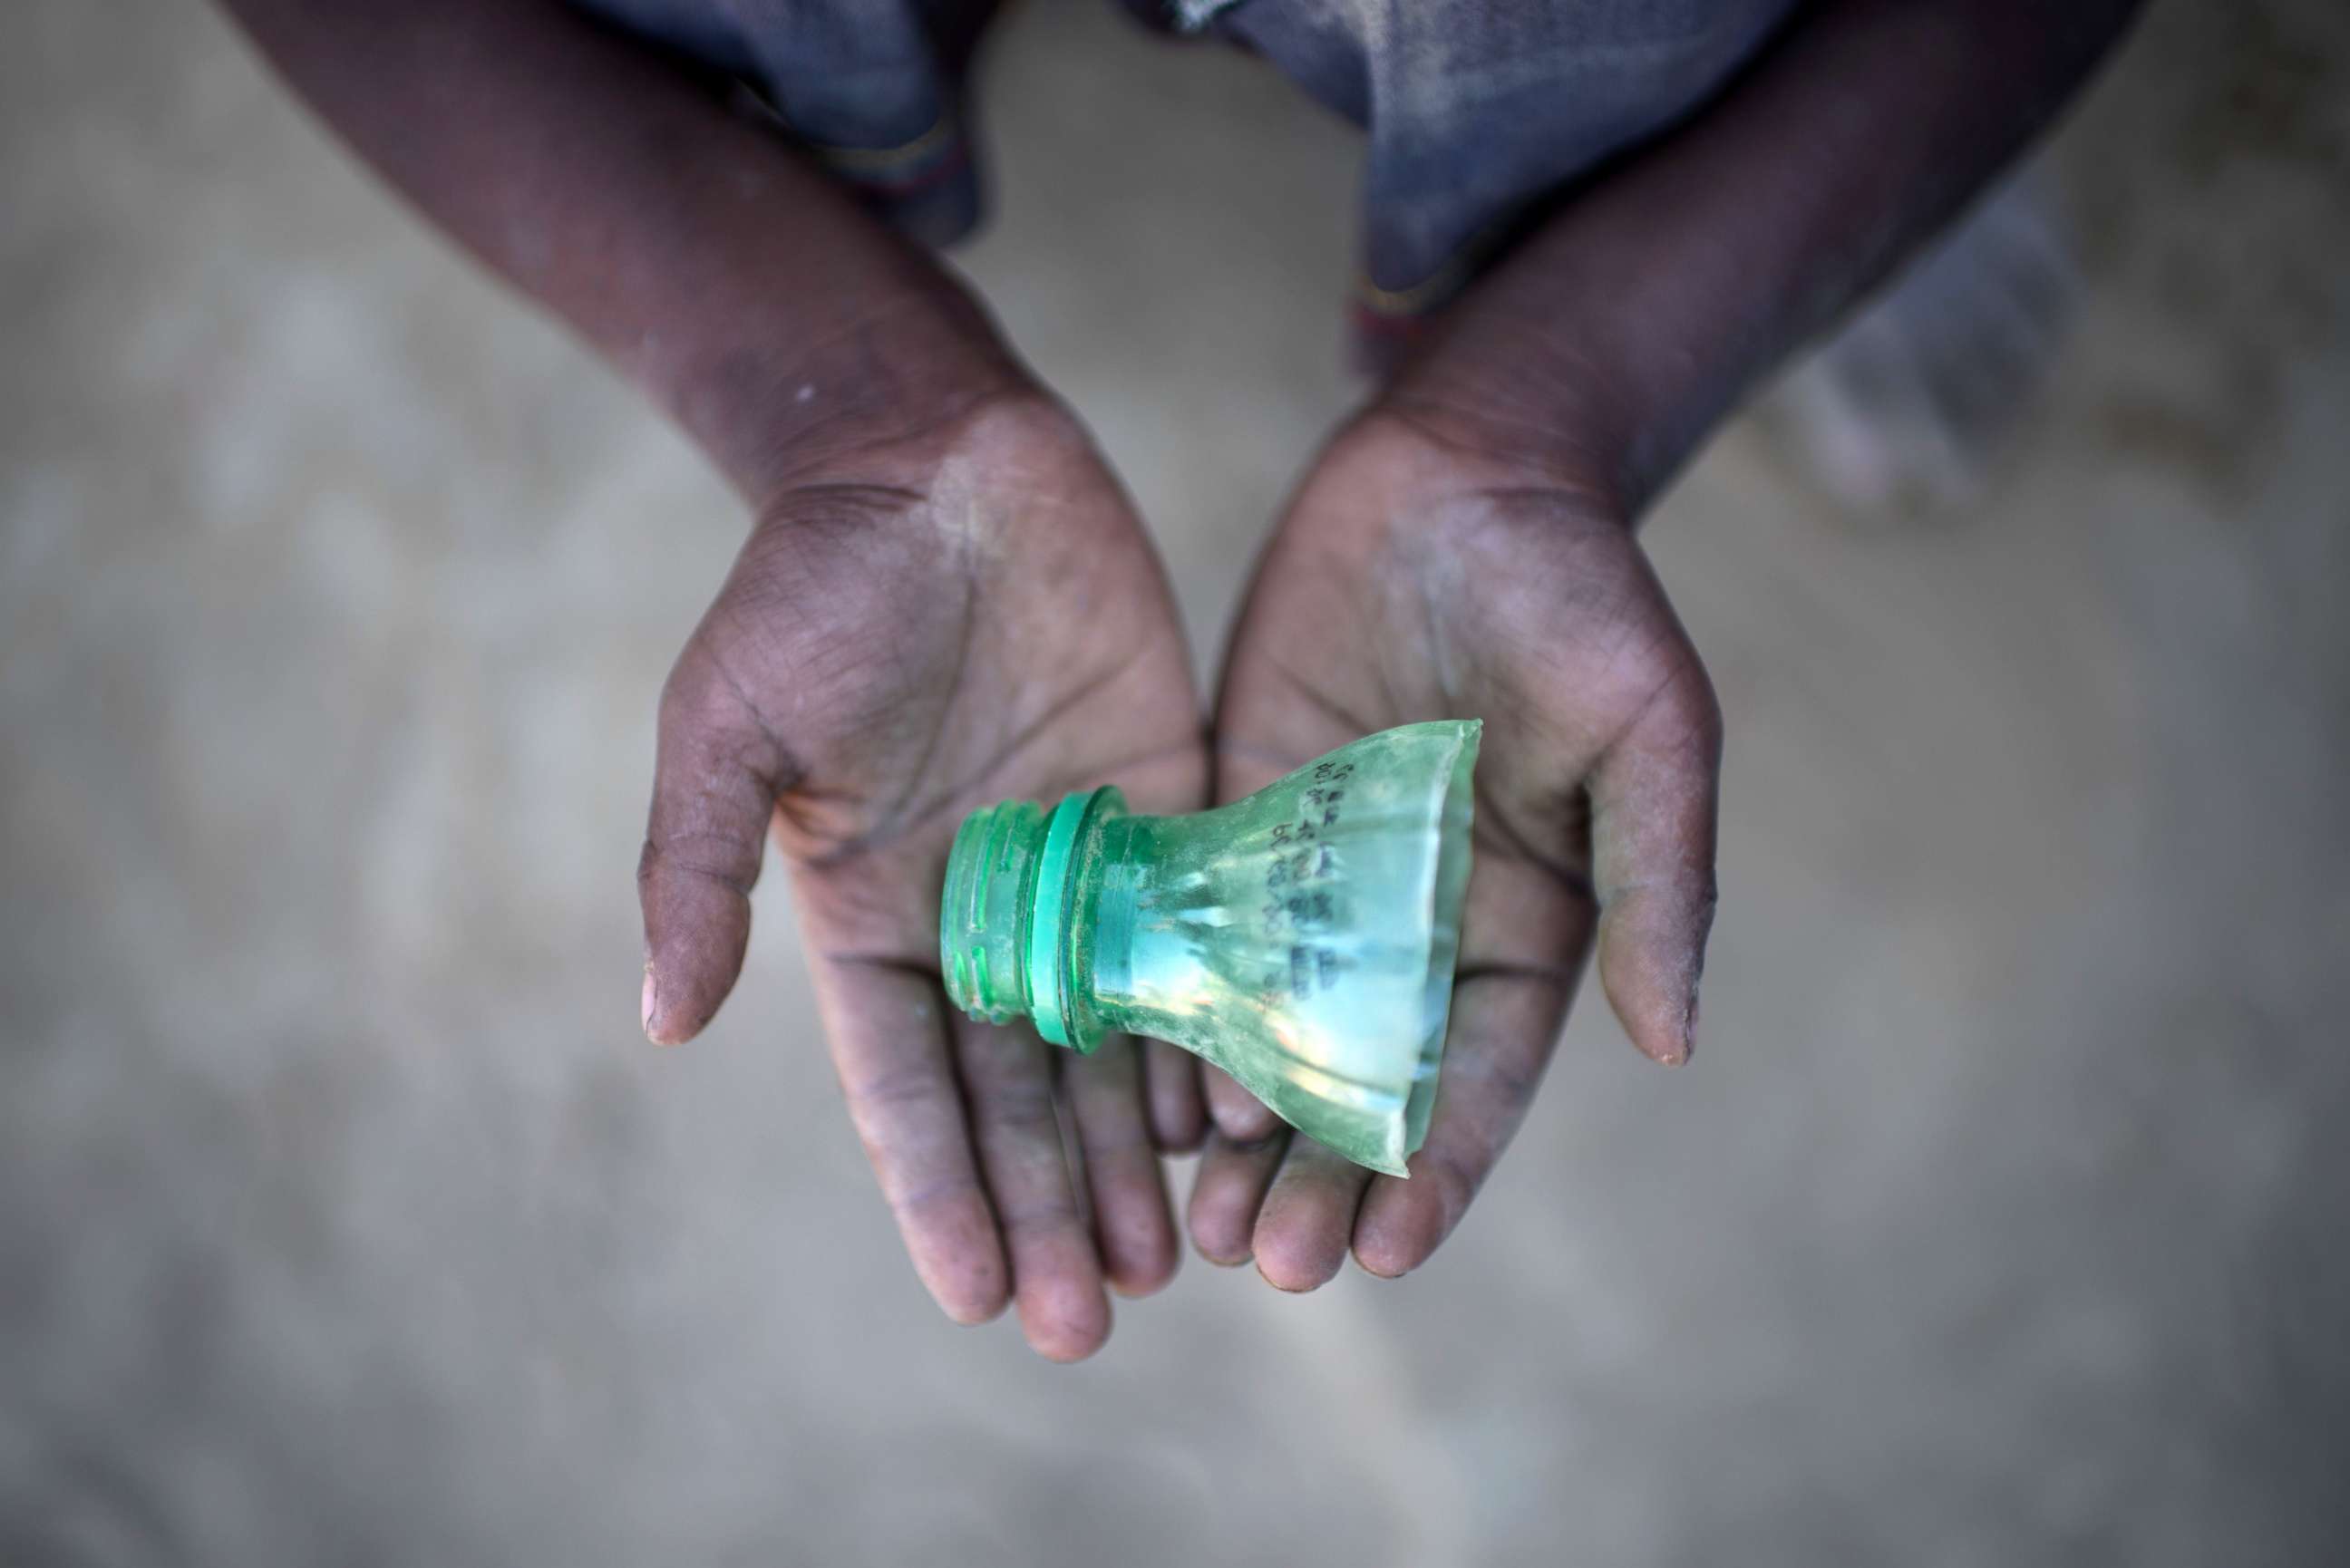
column 1416, row 579
column 923, row 624
column 1466, row 551
column 945, row 600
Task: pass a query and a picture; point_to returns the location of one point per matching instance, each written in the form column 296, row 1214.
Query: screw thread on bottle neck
column 984, row 913
column 1009, row 922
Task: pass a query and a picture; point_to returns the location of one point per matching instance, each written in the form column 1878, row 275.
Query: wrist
column 1519, row 395
column 775, row 402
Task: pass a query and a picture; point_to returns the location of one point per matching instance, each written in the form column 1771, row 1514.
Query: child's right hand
column 949, row 614
column 944, row 601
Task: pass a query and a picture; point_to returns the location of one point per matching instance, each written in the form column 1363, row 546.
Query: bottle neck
column 1015, row 925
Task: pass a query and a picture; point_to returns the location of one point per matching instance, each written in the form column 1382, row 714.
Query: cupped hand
column 1416, row 576
column 958, row 614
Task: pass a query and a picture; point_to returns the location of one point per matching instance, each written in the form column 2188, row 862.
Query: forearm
column 711, row 264
column 1612, row 340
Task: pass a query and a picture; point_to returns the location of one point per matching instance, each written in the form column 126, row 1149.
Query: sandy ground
column 346, row 1218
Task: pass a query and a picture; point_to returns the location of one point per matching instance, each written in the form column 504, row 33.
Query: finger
column 1227, row 1193
column 887, row 1027
column 714, row 785
column 1653, row 800
column 1308, row 1218
column 1172, row 1079
column 1134, row 1230
column 1504, row 1029
column 1240, row 1115
column 1057, row 1277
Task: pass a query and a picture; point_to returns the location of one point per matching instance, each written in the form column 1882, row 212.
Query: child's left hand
column 1414, row 577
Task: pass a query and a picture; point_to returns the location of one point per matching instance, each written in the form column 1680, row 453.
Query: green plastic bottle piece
column 1302, row 939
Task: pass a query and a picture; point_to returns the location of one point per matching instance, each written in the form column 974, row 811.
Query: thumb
column 714, row 786
column 1653, row 798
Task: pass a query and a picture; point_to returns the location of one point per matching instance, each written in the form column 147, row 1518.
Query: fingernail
column 645, row 1008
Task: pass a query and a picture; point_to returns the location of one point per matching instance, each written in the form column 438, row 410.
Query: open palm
column 1416, row 579
column 946, row 619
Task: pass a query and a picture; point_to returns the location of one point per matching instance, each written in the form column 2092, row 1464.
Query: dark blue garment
column 1476, row 111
